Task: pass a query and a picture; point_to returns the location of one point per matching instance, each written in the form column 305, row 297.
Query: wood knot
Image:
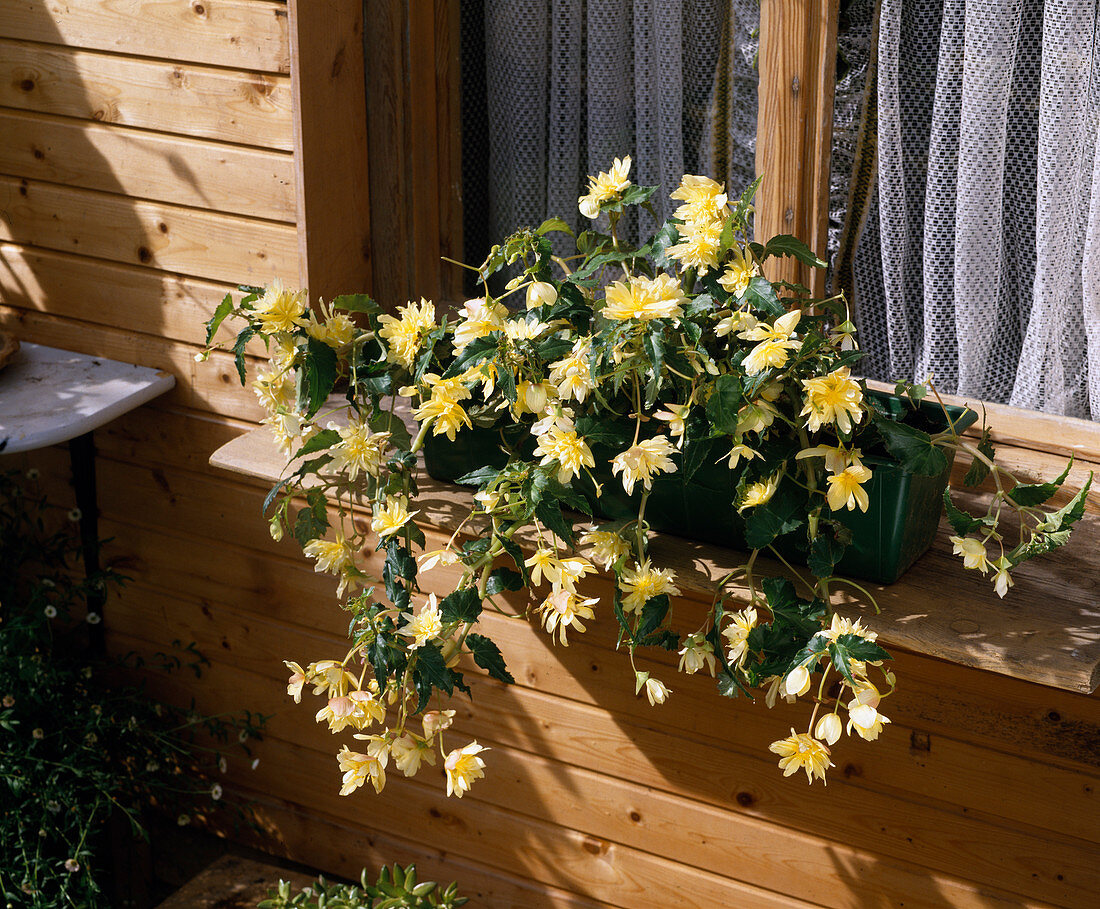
column 595, row 846
column 38, row 154
column 162, row 227
column 635, row 817
column 851, row 770
column 27, row 85
column 920, row 741
column 1054, row 716
column 199, row 10
column 145, row 254
column 796, row 86
column 745, row 799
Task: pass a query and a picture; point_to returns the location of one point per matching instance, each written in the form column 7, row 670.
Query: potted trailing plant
column 621, row 383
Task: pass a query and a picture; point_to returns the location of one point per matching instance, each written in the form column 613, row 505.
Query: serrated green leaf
column 243, row 337
column 316, row 376
column 978, row 469
column 384, row 421
column 787, row 245
column 761, row 297
column 961, row 522
column 784, row 512
column 724, row 403
column 215, row 321
column 501, row 580
column 461, row 606
column 1029, row 495
column 554, row 224
column 825, row 552
column 356, row 303
column 487, row 655
column 549, row 513
column 912, row 448
column 653, row 614
column 326, row 438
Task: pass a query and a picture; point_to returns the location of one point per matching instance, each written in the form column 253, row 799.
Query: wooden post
column 795, row 126
column 330, row 146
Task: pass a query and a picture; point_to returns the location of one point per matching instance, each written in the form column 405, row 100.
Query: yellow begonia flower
column 829, row 729
column 835, row 398
column 333, row 328
column 865, row 719
column 564, row 609
column 280, row 309
column 405, row 331
column 360, row 450
column 973, row 553
column 392, row 516
column 358, row 768
column 740, row 451
column 735, row 322
column 544, row 562
column 296, row 682
column 329, row 677
column 755, row 417
column 642, row 461
column 569, row 451
column 436, row 721
column 846, row 489
column 758, row 493
column 333, row 557
column 425, row 625
column 837, row 458
column 605, row 187
column 479, row 318
column 674, row 416
column 643, row 299
column 607, row 547
column 737, row 634
column 696, row 654
column 408, row 751
column 840, row 625
column 572, row 376
column 1002, row 580
column 443, row 405
column 643, row 582
column 698, row 246
column 656, row 691
column 801, row 750
column 796, row 682
column 739, row 273
column 541, row 293
column 463, row 767
column 703, row 198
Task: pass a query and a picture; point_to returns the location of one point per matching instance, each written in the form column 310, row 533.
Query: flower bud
column 276, row 529
column 828, row 728
column 540, row 293
column 797, row 682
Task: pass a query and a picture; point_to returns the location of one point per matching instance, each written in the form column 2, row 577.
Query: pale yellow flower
column 642, row 461
column 562, row 610
column 479, row 318
column 740, row 451
column 463, row 768
column 337, row 713
column 829, row 729
column 359, row 450
column 605, row 187
column 607, row 547
column 289, row 429
column 436, row 721
column 571, row 453
column 697, row 653
column 275, row 389
column 782, row 329
column 736, row 321
column 426, row 625
column 443, row 405
column 839, row 625
column 740, row 270
column 408, row 751
column 865, row 719
column 280, row 309
column 532, row 397
column 572, row 569
column 392, row 516
column 643, row 582
column 703, row 198
column 296, row 682
column 675, row 416
column 835, row 398
column 1002, row 580
column 544, row 561
column 837, row 457
column 358, row 768
column 656, row 691
column 442, row 558
column 642, row 299
column 333, row 556
column 802, row 751
column 698, row 246
column 329, row 677
column 405, row 332
column 796, row 682
column 768, row 355
column 541, row 293
column 572, row 376
column 737, row 633
column 846, row 489
column 333, row 328
column 755, row 417
column 759, row 492
column 973, row 553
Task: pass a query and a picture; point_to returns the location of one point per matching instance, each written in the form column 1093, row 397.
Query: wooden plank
column 390, row 181
column 422, row 143
column 227, row 178
column 243, row 34
column 95, row 291
column 211, row 386
column 232, row 879
column 448, row 77
column 204, row 244
column 332, row 179
column 802, row 864
column 797, row 65
column 660, row 759
column 190, row 99
column 1048, row 637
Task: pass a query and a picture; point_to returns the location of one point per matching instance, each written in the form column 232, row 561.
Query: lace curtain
column 572, row 84
column 975, row 254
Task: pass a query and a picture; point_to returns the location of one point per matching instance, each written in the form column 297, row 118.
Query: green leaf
column 761, row 296
column 431, row 672
column 665, row 237
column 606, row 432
column 356, row 303
column 636, row 195
column 728, row 685
column 859, row 648
column 384, row 421
column 243, row 337
column 501, row 580
column 311, row 522
column 316, row 376
column 744, row 204
column 473, row 353
column 825, row 552
column 783, row 512
column 516, row 555
column 554, row 224
column 274, row 491
column 653, row 614
column 1070, row 513
column 912, row 448
column 549, row 512
column 724, row 403
column 223, row 310
column 461, row 606
column 487, row 656
column 1032, row 494
column 786, row 245
column 978, row 470
column 326, row 438
column 961, row 522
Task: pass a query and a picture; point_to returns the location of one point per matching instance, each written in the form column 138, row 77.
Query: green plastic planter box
column 898, row 527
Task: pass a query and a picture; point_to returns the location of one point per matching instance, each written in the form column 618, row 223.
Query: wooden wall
column 146, row 164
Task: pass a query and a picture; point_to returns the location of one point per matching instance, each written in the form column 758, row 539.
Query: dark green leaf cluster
column 395, row 888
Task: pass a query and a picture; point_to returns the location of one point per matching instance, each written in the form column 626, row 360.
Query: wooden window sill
column 1047, row 630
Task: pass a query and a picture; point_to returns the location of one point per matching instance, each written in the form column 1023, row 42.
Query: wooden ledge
column 1047, row 630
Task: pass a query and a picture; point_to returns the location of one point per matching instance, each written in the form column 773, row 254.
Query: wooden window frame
column 380, row 221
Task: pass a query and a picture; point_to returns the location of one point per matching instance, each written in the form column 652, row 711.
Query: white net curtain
column 572, row 84
column 975, row 254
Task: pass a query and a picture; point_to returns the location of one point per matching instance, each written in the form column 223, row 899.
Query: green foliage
column 79, row 742
column 396, row 888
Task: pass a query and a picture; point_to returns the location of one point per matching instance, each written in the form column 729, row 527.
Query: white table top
column 49, row 395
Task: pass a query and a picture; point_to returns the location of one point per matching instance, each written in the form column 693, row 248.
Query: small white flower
column 216, row 791
column 93, row 618
column 75, row 515
column 50, row 612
